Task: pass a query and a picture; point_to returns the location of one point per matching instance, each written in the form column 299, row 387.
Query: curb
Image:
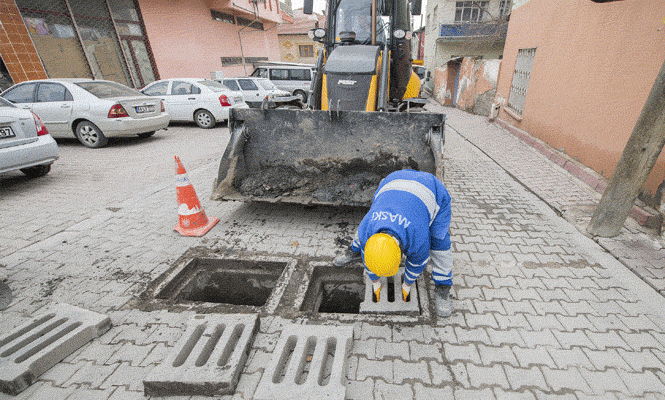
column 643, row 214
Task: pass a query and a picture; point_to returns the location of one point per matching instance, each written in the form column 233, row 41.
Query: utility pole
column 638, row 158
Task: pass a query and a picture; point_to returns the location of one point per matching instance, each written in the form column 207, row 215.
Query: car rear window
column 213, row 85
column 105, row 90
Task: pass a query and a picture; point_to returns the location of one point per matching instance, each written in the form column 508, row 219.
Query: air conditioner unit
column 216, row 75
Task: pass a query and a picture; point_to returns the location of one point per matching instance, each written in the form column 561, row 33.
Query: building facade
column 294, row 43
column 576, row 74
column 455, row 29
column 134, row 42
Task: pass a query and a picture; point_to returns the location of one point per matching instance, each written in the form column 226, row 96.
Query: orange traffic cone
column 192, row 220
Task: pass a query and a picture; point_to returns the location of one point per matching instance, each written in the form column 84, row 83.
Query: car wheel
column 91, row 136
column 301, row 95
column 204, row 119
column 145, row 135
column 36, row 171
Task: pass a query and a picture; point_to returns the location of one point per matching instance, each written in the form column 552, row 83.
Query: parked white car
column 203, row 101
column 90, row 110
column 255, row 90
column 294, row 78
column 25, row 143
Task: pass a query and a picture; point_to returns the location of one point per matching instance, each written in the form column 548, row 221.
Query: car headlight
column 316, row 33
column 399, row 34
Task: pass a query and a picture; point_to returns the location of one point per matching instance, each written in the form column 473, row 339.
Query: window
column 221, row 17
column 248, row 22
column 231, row 84
column 21, row 94
column 260, row 72
column 306, row 50
column 504, row 7
column 521, row 77
column 49, row 92
column 215, row 86
column 470, row 11
column 279, row 74
column 247, row 84
column 301, row 75
column 180, row 88
column 158, row 89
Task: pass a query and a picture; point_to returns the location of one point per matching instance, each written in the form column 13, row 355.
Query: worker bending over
column 410, row 215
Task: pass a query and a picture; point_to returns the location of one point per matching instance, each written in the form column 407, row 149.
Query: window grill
column 306, row 51
column 521, row 77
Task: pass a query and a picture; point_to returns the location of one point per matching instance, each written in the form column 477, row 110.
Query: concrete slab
column 32, row 348
column 309, row 362
column 208, row 358
column 384, row 305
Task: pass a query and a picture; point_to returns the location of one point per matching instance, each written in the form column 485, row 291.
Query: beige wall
column 594, row 66
column 187, row 42
column 289, row 50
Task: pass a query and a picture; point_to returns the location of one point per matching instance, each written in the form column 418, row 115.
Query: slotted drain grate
column 31, row 349
column 390, row 297
column 207, row 360
column 309, row 362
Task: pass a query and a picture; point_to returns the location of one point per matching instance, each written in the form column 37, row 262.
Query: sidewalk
column 541, row 310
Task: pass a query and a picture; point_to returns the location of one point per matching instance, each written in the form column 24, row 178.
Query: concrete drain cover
column 309, row 362
column 207, row 360
column 390, row 299
column 224, row 281
column 32, row 348
column 334, row 290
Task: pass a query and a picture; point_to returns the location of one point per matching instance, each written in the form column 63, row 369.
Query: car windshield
column 5, row 103
column 213, row 85
column 105, row 90
column 266, row 84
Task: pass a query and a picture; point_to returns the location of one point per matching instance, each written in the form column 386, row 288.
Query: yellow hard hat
column 382, row 254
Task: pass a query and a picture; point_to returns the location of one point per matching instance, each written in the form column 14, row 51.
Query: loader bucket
column 321, row 157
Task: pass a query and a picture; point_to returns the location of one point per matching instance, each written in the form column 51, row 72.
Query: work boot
column 347, row 257
column 442, row 303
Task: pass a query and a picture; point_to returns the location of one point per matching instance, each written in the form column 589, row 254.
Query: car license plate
column 144, row 109
column 6, row 131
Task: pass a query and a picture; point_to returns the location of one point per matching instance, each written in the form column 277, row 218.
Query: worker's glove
column 376, row 288
column 406, row 296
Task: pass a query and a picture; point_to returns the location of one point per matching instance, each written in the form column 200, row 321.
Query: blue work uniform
column 414, row 207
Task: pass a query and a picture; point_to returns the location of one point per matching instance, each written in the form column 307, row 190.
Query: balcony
column 487, row 31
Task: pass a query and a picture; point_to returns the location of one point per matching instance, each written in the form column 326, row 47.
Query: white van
column 294, row 78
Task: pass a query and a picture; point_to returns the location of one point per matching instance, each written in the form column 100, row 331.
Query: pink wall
column 187, row 42
column 595, row 64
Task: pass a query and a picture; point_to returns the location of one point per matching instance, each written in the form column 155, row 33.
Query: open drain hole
column 335, row 290
column 225, row 281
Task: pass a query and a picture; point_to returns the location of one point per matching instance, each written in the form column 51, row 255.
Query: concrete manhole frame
column 148, row 300
column 306, row 280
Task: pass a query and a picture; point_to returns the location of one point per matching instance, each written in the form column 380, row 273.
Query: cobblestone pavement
column 542, row 311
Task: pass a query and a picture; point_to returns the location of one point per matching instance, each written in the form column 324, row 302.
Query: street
column 540, row 310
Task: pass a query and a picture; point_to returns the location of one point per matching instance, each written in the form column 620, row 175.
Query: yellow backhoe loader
column 363, row 119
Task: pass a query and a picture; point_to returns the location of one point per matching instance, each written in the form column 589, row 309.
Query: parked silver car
column 25, row 143
column 256, row 90
column 90, row 110
column 203, row 101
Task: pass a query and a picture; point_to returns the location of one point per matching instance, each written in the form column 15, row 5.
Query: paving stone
column 410, row 371
column 467, row 352
column 32, row 348
column 639, row 384
column 391, row 350
column 473, row 394
column 573, row 357
column 520, row 378
column 570, row 378
column 419, row 351
column 533, row 357
column 639, row 361
column 208, row 358
column 490, row 355
column 602, row 382
column 360, row 390
column 383, row 390
column 501, row 337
